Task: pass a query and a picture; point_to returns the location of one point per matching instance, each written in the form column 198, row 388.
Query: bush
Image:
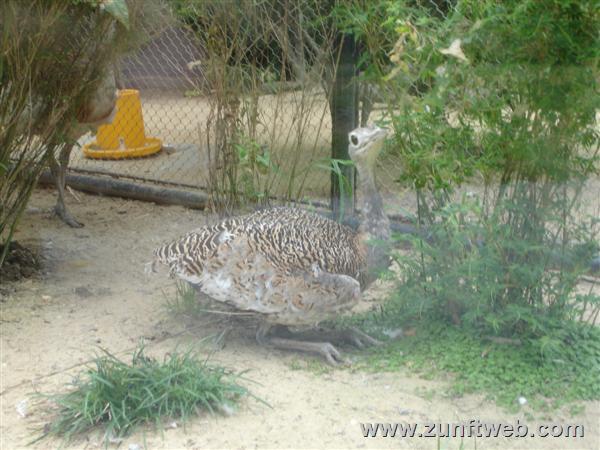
column 479, row 272
column 504, row 93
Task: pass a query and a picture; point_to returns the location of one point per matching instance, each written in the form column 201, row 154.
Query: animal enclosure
column 465, row 286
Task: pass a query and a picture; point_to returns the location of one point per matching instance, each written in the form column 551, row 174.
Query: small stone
column 21, row 408
column 83, row 292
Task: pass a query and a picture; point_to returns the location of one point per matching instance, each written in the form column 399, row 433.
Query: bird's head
column 364, row 145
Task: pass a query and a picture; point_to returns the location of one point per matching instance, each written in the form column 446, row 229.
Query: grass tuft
column 118, row 396
column 185, row 303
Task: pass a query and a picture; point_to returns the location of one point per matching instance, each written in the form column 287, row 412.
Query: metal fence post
column 344, row 118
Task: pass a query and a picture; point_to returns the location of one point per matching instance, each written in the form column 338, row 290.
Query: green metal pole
column 344, row 118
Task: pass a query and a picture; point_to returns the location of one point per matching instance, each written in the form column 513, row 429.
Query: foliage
column 256, row 167
column 477, row 271
column 519, row 103
column 119, row 397
column 505, row 93
column 185, row 303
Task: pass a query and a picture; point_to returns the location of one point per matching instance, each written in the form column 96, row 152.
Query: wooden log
column 125, row 189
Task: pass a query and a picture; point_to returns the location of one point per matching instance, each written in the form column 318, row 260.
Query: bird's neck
column 374, row 227
column 374, row 221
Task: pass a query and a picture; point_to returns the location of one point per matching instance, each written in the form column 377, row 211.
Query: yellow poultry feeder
column 125, row 136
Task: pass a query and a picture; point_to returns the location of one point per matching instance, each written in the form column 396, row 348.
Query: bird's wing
column 187, row 255
column 291, row 239
column 295, row 240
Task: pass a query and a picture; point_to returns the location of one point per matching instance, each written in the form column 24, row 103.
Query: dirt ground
column 93, row 292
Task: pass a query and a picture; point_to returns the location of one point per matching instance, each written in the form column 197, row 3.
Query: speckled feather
column 293, row 266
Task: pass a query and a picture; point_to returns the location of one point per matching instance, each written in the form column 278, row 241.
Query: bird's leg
column 261, row 333
column 352, row 336
column 325, row 349
column 58, row 168
column 219, row 341
column 355, row 337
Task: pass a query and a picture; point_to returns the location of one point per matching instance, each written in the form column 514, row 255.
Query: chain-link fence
column 238, row 100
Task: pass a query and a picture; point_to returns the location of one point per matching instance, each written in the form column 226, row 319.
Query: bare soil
column 92, row 292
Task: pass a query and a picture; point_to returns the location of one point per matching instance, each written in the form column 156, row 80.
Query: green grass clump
column 118, row 396
column 186, row 302
column 503, row 372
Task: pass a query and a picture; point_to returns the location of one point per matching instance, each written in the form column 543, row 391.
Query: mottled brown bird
column 289, row 266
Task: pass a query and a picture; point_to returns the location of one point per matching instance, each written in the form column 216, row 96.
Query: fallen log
column 125, row 189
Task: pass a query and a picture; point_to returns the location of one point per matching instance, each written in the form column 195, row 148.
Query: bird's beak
column 382, row 132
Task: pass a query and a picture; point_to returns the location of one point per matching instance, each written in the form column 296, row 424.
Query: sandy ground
column 93, row 292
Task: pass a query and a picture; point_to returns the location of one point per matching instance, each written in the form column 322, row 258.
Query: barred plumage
column 287, row 265
column 294, row 266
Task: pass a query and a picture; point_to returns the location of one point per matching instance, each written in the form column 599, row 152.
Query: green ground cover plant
column 116, row 397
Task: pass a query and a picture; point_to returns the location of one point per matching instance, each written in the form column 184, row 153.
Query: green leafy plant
column 502, row 370
column 502, row 94
column 255, row 168
column 345, row 185
column 117, row 396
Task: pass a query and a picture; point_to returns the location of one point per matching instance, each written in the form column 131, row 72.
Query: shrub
column 504, row 93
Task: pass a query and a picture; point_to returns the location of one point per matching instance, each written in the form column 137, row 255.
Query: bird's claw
column 331, row 354
column 66, row 217
column 361, row 339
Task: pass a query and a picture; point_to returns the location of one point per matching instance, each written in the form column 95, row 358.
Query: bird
column 98, row 109
column 288, row 266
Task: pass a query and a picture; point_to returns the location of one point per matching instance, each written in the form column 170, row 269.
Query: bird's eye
column 354, row 139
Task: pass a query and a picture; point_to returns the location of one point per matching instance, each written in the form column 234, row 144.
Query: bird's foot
column 352, row 336
column 358, row 338
column 325, row 349
column 219, row 340
column 66, row 217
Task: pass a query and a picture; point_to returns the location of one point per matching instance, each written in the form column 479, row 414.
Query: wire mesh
column 239, row 101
